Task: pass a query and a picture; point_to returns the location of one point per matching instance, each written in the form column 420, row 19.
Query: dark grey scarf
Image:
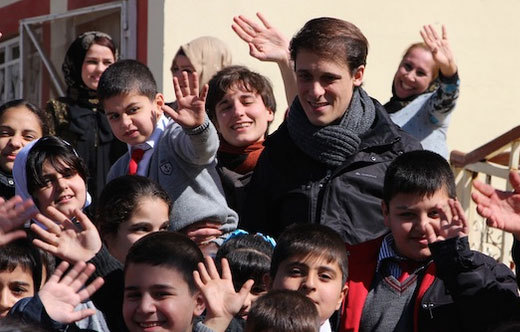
column 334, row 143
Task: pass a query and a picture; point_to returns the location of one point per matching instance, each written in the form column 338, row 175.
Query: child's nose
column 6, row 302
column 146, row 304
column 16, row 141
column 309, row 283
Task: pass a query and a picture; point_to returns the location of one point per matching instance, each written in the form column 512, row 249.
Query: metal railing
column 492, row 163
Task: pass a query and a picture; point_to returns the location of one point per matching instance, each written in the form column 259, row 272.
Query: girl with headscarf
column 78, row 117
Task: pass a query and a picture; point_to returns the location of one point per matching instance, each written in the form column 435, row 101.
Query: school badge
column 166, row 168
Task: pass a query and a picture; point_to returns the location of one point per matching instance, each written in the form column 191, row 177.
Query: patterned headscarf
column 76, row 54
column 208, row 55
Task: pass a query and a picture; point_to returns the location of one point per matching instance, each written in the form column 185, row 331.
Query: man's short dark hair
column 420, row 172
column 310, row 240
column 125, row 77
column 170, row 250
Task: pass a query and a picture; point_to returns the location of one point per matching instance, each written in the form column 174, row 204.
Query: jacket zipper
column 322, row 185
column 429, row 306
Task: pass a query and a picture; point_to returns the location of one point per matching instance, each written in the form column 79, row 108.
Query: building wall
column 484, row 37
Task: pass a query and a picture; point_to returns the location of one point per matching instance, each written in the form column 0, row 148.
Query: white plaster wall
column 484, row 36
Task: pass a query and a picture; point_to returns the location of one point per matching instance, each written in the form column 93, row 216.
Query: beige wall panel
column 484, row 35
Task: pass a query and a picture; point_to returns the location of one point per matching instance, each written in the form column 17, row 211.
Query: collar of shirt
column 149, row 145
column 325, row 327
column 390, row 257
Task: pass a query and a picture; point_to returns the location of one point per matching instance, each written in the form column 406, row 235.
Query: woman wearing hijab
column 78, row 117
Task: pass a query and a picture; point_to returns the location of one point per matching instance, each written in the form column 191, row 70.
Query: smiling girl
column 20, row 123
column 425, row 89
column 78, row 117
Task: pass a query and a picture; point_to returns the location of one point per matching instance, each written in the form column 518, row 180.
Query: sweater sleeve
column 197, row 146
column 486, row 289
column 443, row 100
column 109, row 298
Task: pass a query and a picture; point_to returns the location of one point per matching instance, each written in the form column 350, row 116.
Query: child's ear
column 199, row 304
column 159, row 102
column 268, row 282
column 270, row 115
column 344, row 292
column 384, row 210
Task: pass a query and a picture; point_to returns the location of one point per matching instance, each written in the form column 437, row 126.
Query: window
column 9, row 70
column 44, row 40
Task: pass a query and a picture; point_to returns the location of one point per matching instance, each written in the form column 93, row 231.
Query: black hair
column 121, row 197
column 40, row 114
column 310, row 240
column 167, row 249
column 15, row 324
column 242, row 78
column 59, row 154
column 249, row 257
column 125, row 77
column 420, row 172
column 24, row 254
column 283, row 310
column 334, row 39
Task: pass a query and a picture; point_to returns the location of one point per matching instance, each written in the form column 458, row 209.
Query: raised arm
column 501, row 208
column 72, row 242
column 64, row 291
column 221, row 299
column 266, row 43
column 440, row 48
column 13, row 214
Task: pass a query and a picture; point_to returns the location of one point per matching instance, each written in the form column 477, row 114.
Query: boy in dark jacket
column 422, row 276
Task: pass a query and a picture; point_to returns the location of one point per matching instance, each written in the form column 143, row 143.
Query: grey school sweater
column 184, row 164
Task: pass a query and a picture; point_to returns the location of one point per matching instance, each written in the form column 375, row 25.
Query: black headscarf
column 73, row 63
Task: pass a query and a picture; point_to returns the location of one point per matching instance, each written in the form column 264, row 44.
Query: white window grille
column 10, row 70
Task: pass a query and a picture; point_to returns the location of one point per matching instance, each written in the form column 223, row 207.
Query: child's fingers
column 82, row 277
column 514, row 179
column 177, row 88
column 83, row 220
column 246, row 288
column 204, row 92
column 264, row 21
column 58, row 272
column 226, row 270
column 480, row 199
column 204, row 276
column 11, row 236
column 73, row 273
column 483, row 188
column 198, row 281
column 53, row 249
column 44, row 235
column 431, row 236
column 444, row 32
column 212, row 269
column 194, row 83
column 81, row 314
column 91, row 288
column 185, row 84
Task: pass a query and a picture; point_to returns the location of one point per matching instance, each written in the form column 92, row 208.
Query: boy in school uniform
column 308, row 258
column 411, row 280
column 178, row 152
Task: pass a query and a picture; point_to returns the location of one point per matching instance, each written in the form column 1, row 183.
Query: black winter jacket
column 289, row 187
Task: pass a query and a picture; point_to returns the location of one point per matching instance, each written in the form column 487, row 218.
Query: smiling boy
column 178, row 152
column 241, row 104
column 397, row 284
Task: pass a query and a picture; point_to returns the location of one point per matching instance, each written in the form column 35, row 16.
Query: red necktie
column 407, row 268
column 137, row 155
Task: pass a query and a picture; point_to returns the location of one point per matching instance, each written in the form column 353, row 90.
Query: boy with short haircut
column 410, row 280
column 160, row 290
column 241, row 105
column 179, row 153
column 271, row 311
column 309, row 258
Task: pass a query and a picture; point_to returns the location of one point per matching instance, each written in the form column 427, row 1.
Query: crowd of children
column 368, row 232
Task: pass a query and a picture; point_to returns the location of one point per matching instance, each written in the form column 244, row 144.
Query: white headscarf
column 20, row 173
